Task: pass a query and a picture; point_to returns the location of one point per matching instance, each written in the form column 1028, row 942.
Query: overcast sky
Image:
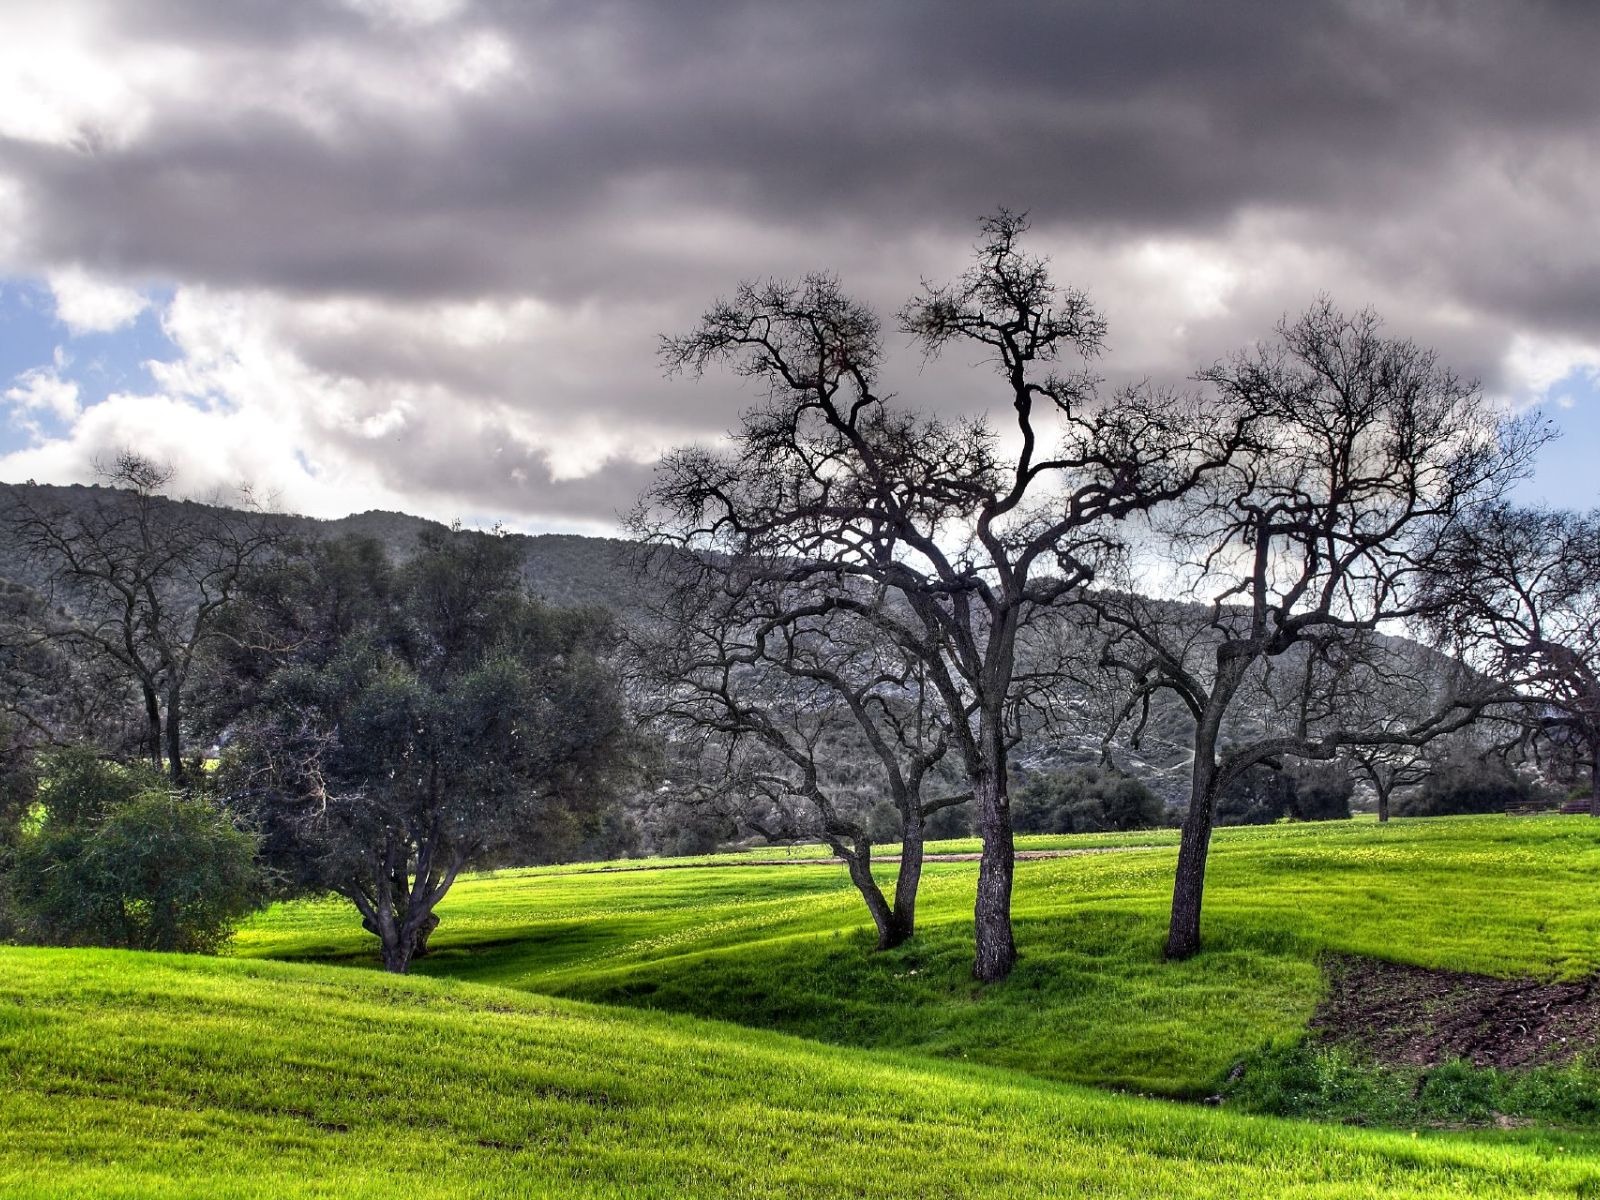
column 416, row 254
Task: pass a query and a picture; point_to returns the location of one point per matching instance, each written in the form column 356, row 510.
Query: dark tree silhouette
column 1365, row 455
column 1518, row 592
column 972, row 534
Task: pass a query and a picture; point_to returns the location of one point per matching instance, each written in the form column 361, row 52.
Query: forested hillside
column 570, row 569
column 563, row 569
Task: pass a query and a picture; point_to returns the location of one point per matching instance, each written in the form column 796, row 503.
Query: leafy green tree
column 416, row 722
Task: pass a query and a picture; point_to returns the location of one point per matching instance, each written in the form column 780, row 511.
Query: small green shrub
column 1465, row 783
column 151, row 870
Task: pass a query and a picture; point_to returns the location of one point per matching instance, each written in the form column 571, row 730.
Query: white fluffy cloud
column 1535, row 365
column 43, row 391
column 86, row 304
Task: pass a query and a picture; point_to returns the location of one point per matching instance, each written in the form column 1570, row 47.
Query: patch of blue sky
column 1567, row 471
column 32, row 337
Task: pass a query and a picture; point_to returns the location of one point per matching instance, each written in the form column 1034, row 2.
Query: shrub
column 1324, row 1082
column 1258, row 797
column 1465, row 783
column 151, row 871
column 1086, row 800
column 1321, row 792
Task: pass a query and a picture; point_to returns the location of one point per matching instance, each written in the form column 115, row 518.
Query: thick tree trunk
column 397, row 953
column 1383, row 801
column 405, row 940
column 907, row 882
column 996, row 948
column 1189, row 884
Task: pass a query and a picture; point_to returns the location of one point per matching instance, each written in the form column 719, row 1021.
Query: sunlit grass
column 134, row 1075
column 1091, row 999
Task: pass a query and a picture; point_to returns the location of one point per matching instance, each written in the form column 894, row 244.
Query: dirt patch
column 1417, row 1017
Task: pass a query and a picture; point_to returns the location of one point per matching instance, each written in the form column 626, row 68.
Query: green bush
column 1465, row 783
column 1087, row 800
column 78, row 787
column 1260, row 796
column 1321, row 792
column 153, row 870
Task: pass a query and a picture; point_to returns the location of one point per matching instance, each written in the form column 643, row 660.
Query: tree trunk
column 406, row 940
column 1189, row 884
column 174, row 746
column 908, row 880
column 1383, row 801
column 996, row 948
column 429, row 924
column 397, row 952
column 1594, row 776
column 393, row 944
column 858, row 860
column 152, row 716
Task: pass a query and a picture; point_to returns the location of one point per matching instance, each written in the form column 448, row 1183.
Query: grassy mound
column 1091, row 1000
column 134, row 1075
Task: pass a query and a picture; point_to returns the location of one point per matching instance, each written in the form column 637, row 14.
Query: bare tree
column 1388, row 769
column 1364, row 456
column 138, row 582
column 1518, row 592
column 782, row 705
column 828, row 483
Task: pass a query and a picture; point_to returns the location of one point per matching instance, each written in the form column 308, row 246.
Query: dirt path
column 1022, row 856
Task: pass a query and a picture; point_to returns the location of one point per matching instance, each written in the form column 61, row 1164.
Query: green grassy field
column 491, row 1074
column 1091, row 1000
column 133, row 1075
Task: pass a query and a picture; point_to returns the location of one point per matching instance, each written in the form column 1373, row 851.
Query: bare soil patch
column 1419, row 1017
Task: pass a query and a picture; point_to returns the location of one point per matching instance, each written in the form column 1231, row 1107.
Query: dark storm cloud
column 1167, row 116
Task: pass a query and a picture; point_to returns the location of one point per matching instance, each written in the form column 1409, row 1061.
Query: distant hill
column 569, row 569
column 561, row 568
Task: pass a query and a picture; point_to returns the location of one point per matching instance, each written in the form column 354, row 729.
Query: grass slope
column 132, row 1075
column 1090, row 1001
